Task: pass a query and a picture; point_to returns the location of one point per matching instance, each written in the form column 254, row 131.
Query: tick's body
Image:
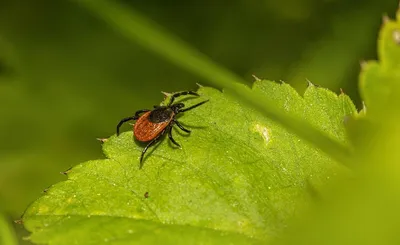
column 153, row 124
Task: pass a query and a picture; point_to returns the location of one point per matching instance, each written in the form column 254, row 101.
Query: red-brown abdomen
column 144, row 130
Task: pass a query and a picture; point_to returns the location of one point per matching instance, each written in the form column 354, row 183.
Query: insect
column 152, row 124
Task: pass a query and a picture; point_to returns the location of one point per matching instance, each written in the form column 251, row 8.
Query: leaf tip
column 364, row 109
column 363, row 64
column 385, row 19
column 199, row 85
column 102, row 140
column 257, row 79
column 310, row 84
column 66, row 172
column 166, row 94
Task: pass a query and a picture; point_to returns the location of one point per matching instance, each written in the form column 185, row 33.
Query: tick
column 152, row 124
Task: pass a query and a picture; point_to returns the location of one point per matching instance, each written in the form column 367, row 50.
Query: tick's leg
column 171, row 138
column 135, row 117
column 181, row 93
column 137, row 114
column 193, row 106
column 124, row 121
column 152, row 142
column 181, row 127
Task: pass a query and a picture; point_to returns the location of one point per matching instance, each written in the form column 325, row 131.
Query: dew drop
column 264, row 131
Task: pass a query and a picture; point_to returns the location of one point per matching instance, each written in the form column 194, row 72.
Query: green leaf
column 364, row 209
column 7, row 233
column 238, row 178
column 380, row 81
column 380, row 89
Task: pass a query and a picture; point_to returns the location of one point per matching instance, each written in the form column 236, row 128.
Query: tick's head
column 176, row 107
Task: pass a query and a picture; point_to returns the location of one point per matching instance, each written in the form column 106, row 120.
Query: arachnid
column 152, row 124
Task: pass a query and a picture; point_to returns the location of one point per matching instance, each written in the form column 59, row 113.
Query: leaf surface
column 239, row 176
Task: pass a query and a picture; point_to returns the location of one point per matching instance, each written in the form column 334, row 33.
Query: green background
column 66, row 78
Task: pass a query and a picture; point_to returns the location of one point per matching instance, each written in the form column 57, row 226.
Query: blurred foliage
column 66, row 78
column 364, row 209
column 7, row 233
